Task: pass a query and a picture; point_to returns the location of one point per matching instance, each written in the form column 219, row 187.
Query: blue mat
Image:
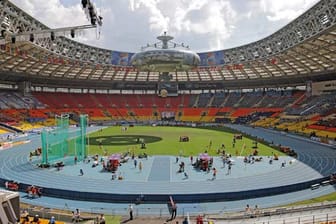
column 160, row 169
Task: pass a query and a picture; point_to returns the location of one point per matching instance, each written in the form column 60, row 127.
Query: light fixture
column 91, row 12
column 84, row 3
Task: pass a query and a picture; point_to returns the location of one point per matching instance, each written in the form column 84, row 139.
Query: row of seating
column 92, row 100
column 11, row 99
column 22, row 114
column 298, row 124
column 85, row 100
column 329, row 222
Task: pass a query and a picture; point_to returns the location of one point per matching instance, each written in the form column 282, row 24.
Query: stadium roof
column 303, row 50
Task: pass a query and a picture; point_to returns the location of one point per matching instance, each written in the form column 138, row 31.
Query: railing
column 220, row 213
column 320, row 213
column 327, row 218
column 163, row 211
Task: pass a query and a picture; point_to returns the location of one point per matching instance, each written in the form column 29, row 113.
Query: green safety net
column 63, row 145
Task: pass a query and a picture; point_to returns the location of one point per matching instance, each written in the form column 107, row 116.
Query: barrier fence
column 321, row 213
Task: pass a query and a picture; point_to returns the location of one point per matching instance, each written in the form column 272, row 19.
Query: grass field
column 325, row 198
column 165, row 141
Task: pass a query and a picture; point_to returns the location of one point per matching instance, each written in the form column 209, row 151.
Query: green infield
column 166, row 141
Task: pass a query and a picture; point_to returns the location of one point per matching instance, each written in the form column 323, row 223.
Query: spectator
column 247, row 210
column 101, row 219
column 199, row 219
column 77, row 215
column 52, row 220
column 36, row 219
column 256, row 211
column 130, row 210
column 174, row 210
column 25, row 216
column 73, row 219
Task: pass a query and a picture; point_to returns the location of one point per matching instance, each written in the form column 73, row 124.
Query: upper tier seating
column 15, row 100
column 218, row 99
column 232, row 99
column 314, row 104
column 204, row 99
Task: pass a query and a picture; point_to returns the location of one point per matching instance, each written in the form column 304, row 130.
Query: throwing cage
column 60, row 144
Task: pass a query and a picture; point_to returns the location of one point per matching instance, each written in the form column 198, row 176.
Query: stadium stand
column 298, row 114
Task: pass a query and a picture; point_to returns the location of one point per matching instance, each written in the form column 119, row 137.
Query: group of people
column 26, row 218
column 100, row 219
column 107, row 166
column 34, row 191
column 203, row 164
column 12, row 185
column 140, row 166
column 251, row 159
column 76, row 216
column 226, row 158
column 252, row 212
column 36, row 152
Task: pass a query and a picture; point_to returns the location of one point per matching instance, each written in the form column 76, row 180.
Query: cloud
column 157, row 20
column 53, row 13
column 214, row 21
column 289, row 10
column 202, row 24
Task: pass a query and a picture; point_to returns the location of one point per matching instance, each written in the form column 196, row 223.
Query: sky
column 204, row 25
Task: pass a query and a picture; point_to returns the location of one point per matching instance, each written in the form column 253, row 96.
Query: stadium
column 168, row 130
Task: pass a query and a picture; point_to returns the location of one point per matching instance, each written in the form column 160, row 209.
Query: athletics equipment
column 61, row 143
